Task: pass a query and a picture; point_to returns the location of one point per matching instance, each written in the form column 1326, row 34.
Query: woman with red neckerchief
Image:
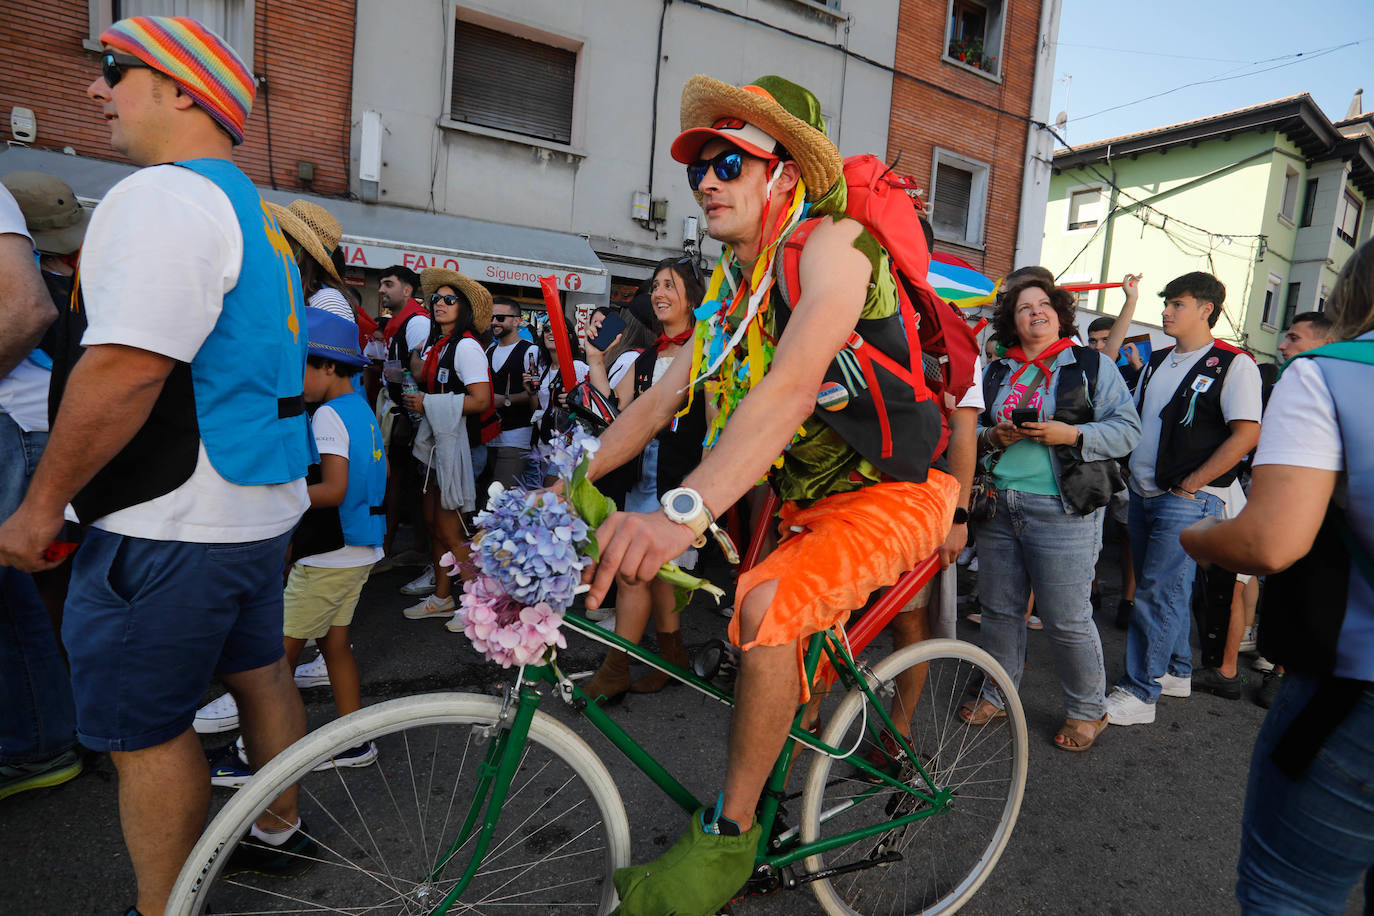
column 1057, row 415
column 675, row 293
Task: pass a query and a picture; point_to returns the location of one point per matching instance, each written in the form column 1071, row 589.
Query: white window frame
column 1001, row 25
column 1349, row 199
column 100, row 16
column 456, row 13
column 1288, row 196
column 977, row 200
column 1273, row 301
column 1068, row 207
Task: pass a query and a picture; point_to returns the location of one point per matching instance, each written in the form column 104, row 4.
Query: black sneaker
column 1269, row 688
column 1213, row 681
column 290, row 860
column 1124, row 610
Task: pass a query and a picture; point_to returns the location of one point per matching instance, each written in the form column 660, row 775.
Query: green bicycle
column 484, row 804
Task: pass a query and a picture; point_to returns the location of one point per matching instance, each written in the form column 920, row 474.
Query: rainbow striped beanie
column 199, row 60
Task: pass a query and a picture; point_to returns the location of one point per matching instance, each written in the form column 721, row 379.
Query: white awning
column 377, row 236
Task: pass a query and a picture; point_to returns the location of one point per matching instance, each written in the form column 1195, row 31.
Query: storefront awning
column 376, row 236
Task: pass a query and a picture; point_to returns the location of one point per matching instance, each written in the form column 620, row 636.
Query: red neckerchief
column 1041, row 362
column 366, row 325
column 413, row 307
column 431, row 369
column 677, row 340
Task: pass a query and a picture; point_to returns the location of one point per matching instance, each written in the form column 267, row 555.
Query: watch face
column 683, row 503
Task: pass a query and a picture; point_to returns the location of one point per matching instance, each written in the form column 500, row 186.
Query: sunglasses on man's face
column 727, row 165
column 448, row 299
column 113, row 65
column 505, row 317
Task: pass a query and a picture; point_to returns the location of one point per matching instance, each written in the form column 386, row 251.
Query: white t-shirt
column 162, row 250
column 24, row 392
column 974, row 396
column 331, row 438
column 1240, row 400
column 417, row 333
column 623, row 363
column 1300, row 426
column 520, row 436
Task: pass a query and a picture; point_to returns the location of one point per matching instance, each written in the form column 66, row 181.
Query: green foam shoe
column 696, row 877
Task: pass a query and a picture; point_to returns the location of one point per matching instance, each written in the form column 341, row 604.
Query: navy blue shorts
column 148, row 623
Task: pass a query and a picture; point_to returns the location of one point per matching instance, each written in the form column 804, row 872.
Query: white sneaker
column 1125, row 708
column 1247, row 640
column 423, row 584
column 1262, row 664
column 218, row 715
column 452, row 625
column 312, row 673
column 430, row 607
column 1171, row 685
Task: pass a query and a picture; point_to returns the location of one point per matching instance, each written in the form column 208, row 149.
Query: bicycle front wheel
column 380, row 832
column 977, row 778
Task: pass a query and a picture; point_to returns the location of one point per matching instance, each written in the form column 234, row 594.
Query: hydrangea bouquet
column 529, row 552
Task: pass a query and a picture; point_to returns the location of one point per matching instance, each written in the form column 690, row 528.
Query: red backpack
column 942, row 346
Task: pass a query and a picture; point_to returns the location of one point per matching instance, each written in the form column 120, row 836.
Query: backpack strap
column 1091, row 362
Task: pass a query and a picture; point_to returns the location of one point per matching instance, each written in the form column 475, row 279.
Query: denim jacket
column 1114, row 430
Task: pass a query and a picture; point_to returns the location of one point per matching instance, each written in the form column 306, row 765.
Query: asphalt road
column 1147, row 822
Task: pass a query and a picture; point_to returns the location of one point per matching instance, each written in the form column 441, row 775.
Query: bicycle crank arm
column 887, row 858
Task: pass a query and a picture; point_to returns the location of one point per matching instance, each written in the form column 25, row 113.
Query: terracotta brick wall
column 304, row 50
column 924, row 117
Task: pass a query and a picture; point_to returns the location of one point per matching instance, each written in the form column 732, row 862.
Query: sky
column 1118, row 53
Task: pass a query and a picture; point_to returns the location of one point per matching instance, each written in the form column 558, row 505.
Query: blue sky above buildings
column 1241, row 53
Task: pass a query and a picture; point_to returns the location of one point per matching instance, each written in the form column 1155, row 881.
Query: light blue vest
column 362, row 513
column 249, row 374
column 1349, row 384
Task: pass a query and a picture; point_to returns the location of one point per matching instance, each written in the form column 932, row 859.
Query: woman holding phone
column 675, row 292
column 1057, row 416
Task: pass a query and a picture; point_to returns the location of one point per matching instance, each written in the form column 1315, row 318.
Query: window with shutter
column 510, row 83
column 959, row 189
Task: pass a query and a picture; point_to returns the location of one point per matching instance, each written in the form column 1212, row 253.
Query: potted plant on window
column 968, row 51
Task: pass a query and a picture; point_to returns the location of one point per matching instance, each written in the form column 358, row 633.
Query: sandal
column 980, row 712
column 1077, row 735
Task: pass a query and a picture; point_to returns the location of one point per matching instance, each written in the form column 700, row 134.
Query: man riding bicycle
column 855, row 515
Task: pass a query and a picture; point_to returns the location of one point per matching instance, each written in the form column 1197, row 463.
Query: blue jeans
column 37, row 718
column 1305, row 844
column 1032, row 544
column 37, row 721
column 1157, row 642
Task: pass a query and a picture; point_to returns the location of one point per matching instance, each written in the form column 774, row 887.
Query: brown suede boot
column 611, row 680
column 670, row 648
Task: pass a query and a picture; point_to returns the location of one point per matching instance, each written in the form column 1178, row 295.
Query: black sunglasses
column 692, row 263
column 445, row 297
column 112, row 66
column 504, row 317
column 727, row 166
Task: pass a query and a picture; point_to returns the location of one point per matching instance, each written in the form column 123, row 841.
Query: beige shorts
column 317, row 598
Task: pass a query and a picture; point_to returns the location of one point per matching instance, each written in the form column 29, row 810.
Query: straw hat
column 780, row 109
column 431, row 278
column 314, row 228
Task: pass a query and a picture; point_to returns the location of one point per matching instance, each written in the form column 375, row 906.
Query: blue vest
column 249, row 374
column 242, row 393
column 362, row 515
column 1349, row 384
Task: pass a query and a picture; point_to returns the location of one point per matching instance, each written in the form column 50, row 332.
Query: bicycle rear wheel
column 381, row 829
column 935, row 864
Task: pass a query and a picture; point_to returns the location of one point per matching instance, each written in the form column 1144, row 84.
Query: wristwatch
column 960, row 516
column 686, row 507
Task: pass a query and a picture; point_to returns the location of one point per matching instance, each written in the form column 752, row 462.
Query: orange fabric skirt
column 836, row 552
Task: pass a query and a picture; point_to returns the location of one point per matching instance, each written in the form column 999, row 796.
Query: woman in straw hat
column 455, row 396
column 314, row 234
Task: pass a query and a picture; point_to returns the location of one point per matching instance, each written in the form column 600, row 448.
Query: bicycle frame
column 827, row 649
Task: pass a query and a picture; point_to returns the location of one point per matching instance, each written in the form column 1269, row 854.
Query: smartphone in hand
column 1020, row 416
column 611, row 327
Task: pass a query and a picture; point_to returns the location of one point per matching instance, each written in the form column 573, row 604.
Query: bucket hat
column 332, row 337
column 55, row 218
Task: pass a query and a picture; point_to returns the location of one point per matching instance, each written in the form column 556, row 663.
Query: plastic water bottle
column 408, row 386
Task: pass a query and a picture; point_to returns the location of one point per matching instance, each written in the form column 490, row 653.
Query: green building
column 1270, row 199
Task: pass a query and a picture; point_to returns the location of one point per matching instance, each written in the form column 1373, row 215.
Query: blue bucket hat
column 333, row 337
